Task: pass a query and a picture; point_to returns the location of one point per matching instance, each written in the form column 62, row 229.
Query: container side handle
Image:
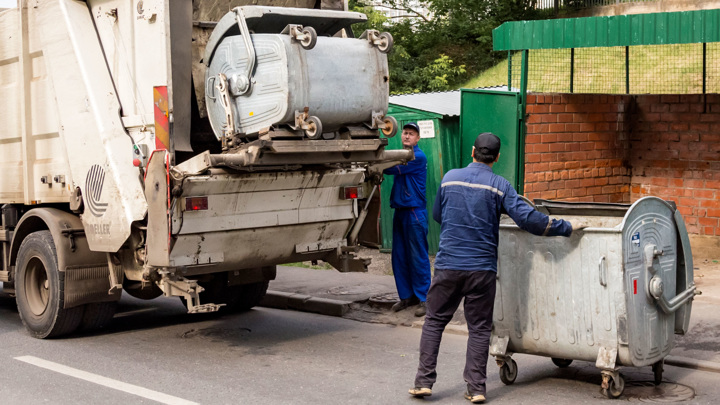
column 602, row 267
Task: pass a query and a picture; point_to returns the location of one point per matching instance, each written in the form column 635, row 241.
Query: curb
column 305, row 303
column 693, row 364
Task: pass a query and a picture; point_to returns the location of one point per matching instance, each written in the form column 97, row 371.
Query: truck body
column 132, row 163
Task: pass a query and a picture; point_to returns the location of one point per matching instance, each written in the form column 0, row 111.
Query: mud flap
column 156, row 192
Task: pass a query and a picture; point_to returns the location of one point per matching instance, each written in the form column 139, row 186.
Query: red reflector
column 136, row 162
column 196, row 203
column 351, row 193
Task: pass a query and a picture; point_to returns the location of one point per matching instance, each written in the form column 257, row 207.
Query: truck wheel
column 237, row 298
column 40, row 288
column 249, row 295
column 97, row 315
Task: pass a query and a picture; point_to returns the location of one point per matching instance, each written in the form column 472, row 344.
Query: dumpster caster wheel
column 615, row 387
column 657, row 369
column 508, row 372
column 391, row 126
column 310, row 38
column 386, row 42
column 314, row 128
column 562, row 363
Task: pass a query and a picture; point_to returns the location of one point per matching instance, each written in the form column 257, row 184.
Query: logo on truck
column 93, row 190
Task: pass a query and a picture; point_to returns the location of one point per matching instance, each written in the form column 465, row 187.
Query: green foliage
column 447, row 47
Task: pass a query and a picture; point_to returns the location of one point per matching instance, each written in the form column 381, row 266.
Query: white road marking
column 106, row 382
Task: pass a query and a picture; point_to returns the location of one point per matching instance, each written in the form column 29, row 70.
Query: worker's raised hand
column 578, row 224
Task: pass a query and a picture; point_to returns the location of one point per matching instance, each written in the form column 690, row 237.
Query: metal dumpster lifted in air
column 615, row 293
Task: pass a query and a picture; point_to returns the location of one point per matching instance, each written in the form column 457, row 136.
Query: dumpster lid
column 272, row 20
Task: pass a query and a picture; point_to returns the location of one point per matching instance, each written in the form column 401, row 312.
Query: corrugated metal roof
column 621, row 30
column 445, row 102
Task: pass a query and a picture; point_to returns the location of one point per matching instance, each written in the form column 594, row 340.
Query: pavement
column 368, row 297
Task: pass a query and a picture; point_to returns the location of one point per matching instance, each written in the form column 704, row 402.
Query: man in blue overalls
column 410, row 262
column 468, row 207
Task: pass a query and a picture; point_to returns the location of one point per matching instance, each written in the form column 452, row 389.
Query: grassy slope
column 653, row 69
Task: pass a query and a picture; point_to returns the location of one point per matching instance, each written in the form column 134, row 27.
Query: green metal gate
column 499, row 112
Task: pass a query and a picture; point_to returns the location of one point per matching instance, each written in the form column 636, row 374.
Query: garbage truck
column 183, row 149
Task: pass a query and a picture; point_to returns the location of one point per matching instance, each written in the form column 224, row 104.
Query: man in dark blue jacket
column 410, row 262
column 468, row 207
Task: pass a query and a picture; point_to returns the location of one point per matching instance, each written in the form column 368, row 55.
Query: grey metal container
column 615, row 293
column 338, row 81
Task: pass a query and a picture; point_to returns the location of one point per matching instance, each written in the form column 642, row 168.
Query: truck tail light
column 196, row 204
column 351, row 193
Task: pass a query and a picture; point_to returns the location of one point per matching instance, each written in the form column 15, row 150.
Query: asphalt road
column 154, row 352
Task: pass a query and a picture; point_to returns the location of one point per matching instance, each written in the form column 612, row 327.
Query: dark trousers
column 447, row 289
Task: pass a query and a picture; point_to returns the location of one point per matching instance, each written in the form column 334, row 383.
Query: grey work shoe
column 402, row 304
column 420, row 392
column 421, row 309
column 474, row 398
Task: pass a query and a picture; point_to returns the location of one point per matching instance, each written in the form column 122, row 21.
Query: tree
column 439, row 50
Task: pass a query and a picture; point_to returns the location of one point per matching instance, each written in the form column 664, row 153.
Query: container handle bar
column 655, row 287
column 246, row 81
column 674, row 304
column 602, row 266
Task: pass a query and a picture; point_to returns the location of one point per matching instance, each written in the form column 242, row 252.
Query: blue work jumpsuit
column 468, row 207
column 410, row 262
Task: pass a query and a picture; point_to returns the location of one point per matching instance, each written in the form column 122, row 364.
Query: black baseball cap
column 413, row 126
column 487, row 143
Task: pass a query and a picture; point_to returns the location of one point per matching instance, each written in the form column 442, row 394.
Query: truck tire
column 97, row 315
column 249, row 296
column 40, row 289
column 237, row 298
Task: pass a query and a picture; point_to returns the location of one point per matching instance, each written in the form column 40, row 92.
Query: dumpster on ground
column 615, row 293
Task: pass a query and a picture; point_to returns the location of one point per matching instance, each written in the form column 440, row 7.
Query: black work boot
column 402, row 304
column 421, row 309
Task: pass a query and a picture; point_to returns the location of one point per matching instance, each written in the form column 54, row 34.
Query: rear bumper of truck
column 260, row 219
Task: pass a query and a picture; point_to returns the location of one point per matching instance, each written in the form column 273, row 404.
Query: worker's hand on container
column 578, row 224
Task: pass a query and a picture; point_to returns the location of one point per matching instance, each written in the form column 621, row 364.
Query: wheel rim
column 383, row 44
column 312, row 130
column 37, row 288
column 389, row 129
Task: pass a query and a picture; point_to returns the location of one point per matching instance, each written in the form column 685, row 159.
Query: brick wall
column 576, row 148
column 605, row 148
column 675, row 154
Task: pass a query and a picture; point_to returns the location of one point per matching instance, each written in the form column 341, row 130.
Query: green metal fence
column 659, row 53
